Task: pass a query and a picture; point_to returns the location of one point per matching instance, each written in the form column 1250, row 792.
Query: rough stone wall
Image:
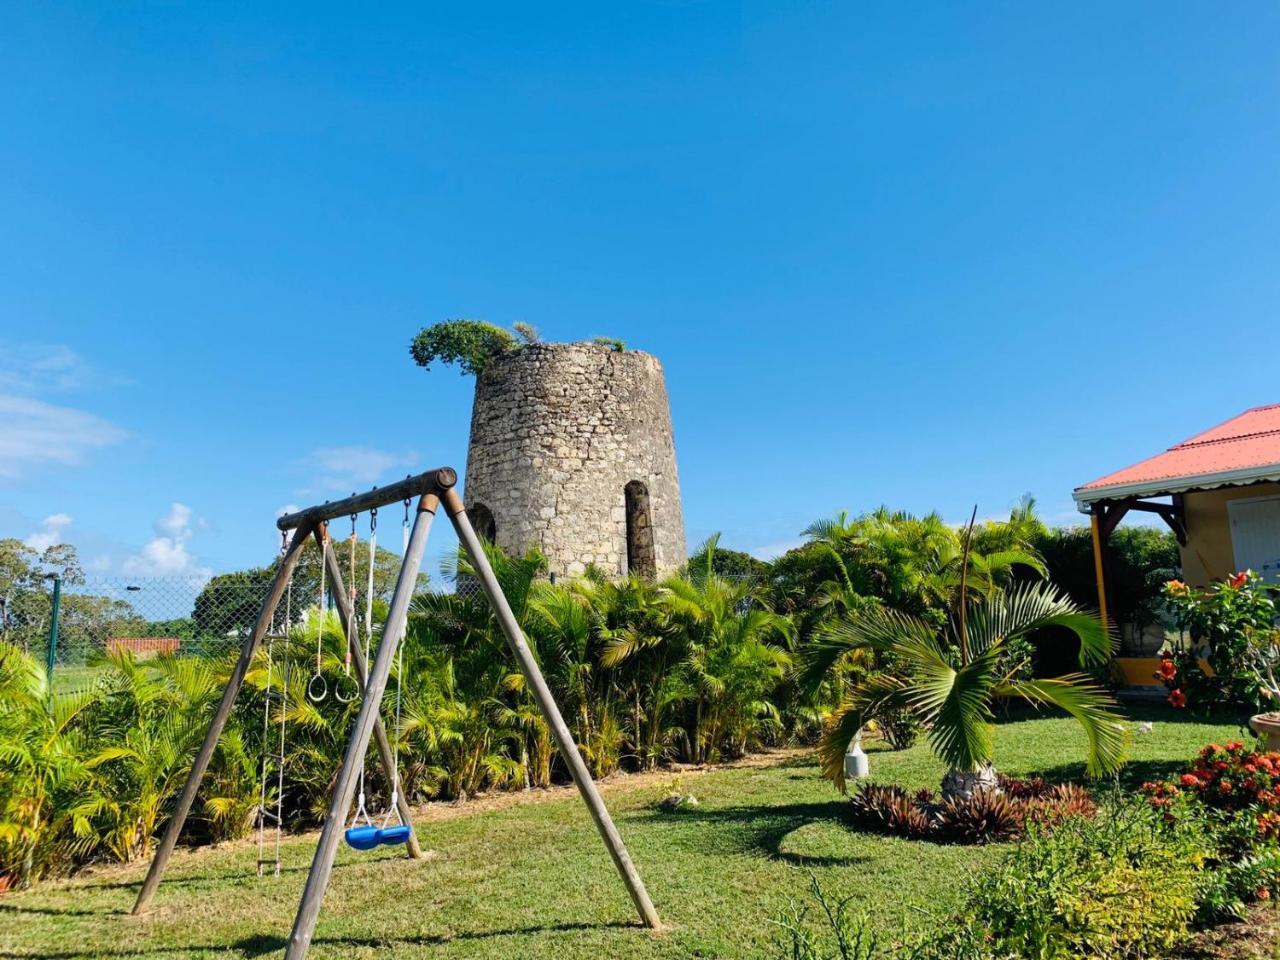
column 558, row 430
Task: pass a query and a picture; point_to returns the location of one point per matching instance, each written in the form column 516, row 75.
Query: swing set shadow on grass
column 265, row 944
column 433, row 489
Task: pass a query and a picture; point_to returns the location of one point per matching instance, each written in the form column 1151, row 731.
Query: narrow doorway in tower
column 482, row 520
column 641, row 560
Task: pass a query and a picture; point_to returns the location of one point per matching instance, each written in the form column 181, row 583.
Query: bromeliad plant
column 951, row 678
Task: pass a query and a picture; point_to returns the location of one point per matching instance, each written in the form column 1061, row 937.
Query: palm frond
column 1091, row 707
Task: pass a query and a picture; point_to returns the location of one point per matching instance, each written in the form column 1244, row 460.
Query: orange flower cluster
column 1230, row 778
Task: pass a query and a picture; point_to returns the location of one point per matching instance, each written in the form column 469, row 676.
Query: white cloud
column 350, row 468
column 771, row 551
column 50, row 532
column 166, row 554
column 41, row 367
column 36, row 434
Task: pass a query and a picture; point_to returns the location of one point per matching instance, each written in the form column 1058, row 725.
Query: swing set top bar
column 435, row 481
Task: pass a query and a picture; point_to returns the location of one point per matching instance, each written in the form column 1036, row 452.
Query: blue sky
column 921, row 254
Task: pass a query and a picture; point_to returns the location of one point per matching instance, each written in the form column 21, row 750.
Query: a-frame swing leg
column 347, row 617
column 283, row 572
column 304, row 924
column 550, row 711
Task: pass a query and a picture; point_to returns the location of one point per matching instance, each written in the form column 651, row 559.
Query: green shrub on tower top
column 470, row 344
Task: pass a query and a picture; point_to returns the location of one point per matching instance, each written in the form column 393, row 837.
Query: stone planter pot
column 1267, row 726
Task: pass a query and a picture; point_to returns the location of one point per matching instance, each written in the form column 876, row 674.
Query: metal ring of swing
column 312, row 695
column 337, row 691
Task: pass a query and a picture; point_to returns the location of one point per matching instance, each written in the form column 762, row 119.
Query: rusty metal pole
column 550, row 711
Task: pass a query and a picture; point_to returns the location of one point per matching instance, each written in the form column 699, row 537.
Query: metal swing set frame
column 433, row 489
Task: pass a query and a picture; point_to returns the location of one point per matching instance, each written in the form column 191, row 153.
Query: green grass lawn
column 534, row 881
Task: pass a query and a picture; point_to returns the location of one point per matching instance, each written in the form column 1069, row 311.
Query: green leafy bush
column 470, row 344
column 1126, row 884
column 1226, row 622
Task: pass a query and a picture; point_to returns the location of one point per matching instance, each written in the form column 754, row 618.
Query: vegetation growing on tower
column 471, row 344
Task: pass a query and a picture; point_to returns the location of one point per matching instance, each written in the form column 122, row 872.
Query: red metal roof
column 1244, row 449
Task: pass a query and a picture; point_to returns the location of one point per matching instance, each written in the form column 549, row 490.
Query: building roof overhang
column 1242, row 450
column 1087, row 496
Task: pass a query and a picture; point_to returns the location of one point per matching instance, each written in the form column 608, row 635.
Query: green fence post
column 53, row 626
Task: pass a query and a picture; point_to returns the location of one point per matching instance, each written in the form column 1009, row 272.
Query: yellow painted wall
column 1208, row 554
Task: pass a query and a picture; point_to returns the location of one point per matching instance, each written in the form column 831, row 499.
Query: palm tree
column 43, row 771
column 733, row 656
column 916, row 564
column 152, row 717
column 952, row 676
column 469, row 702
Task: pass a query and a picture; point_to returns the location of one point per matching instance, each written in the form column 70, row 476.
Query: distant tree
column 736, row 565
column 1142, row 559
column 85, row 621
column 229, row 603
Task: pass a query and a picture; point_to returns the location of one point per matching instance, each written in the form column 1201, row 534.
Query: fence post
column 52, row 657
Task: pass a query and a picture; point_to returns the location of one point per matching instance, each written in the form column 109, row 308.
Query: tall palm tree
column 951, row 677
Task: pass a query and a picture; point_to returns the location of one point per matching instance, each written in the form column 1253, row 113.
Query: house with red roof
column 1219, row 491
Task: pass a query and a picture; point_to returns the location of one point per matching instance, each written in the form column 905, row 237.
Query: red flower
column 1177, row 699
column 1168, row 670
column 1190, row 780
column 1238, row 580
column 1263, row 893
column 1235, row 745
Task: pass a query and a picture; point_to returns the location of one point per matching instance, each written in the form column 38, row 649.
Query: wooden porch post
column 1100, row 564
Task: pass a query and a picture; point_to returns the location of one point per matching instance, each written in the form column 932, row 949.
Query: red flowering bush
column 1234, row 778
column 1233, row 792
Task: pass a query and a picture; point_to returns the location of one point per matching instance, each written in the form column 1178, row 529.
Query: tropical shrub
column 43, row 773
column 1231, row 794
column 891, row 809
column 985, row 816
column 470, row 344
column 1230, row 624
column 1141, row 558
column 953, row 676
column 1124, row 884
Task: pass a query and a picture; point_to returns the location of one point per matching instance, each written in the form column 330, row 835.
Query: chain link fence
column 73, row 627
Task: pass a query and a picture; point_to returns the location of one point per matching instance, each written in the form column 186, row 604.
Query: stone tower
column 572, row 452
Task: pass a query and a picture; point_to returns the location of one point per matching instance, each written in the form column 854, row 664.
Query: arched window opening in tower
column 482, row 520
column 641, row 559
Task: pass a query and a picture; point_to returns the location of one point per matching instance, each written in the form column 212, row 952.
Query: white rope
column 284, row 715
column 368, row 595
column 318, row 687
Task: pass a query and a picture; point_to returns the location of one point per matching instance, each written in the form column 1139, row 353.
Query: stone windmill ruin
column 571, row 451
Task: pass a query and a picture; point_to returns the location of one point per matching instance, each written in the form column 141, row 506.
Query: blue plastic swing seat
column 363, row 838
column 393, row 835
